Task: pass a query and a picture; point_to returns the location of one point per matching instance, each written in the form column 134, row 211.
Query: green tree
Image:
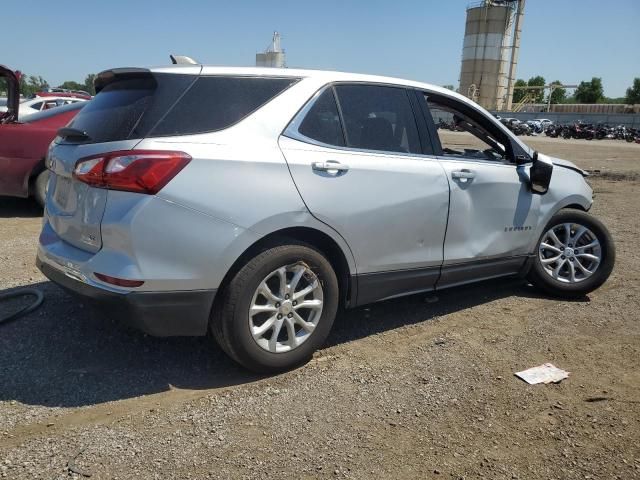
column 88, row 84
column 633, row 92
column 31, row 84
column 558, row 95
column 590, row 92
column 519, row 93
column 618, row 100
column 71, row 85
column 449, row 87
column 537, row 93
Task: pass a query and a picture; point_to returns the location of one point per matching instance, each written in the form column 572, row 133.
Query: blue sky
column 417, row 39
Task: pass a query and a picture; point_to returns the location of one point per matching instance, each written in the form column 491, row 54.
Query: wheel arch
column 574, row 206
column 37, row 169
column 318, row 239
column 573, row 202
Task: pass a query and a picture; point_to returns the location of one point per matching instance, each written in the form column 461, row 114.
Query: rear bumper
column 162, row 314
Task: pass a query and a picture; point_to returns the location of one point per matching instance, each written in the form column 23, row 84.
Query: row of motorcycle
column 577, row 129
column 591, row 132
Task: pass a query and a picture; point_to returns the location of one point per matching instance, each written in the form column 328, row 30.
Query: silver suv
column 253, row 203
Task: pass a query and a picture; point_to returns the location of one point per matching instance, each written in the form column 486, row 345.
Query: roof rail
column 182, row 60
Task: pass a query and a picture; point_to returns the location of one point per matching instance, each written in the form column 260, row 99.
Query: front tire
column 574, row 256
column 277, row 309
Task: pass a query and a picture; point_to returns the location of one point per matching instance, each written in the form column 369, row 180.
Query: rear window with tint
column 322, row 123
column 168, row 104
column 215, row 103
column 130, row 107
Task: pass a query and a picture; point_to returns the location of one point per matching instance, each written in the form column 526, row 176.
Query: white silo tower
column 490, row 52
column 273, row 56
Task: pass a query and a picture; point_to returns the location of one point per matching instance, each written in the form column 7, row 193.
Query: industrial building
column 490, row 52
column 273, row 56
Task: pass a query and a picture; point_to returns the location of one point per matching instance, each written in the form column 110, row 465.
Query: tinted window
column 322, row 122
column 37, row 106
column 130, row 107
column 214, row 103
column 378, row 118
column 462, row 136
column 113, row 114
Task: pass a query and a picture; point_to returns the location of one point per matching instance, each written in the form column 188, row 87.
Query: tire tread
column 224, row 312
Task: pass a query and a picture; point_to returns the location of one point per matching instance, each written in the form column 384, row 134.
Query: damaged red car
column 23, row 145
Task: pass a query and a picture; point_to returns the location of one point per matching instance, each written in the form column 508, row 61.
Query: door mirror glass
column 540, row 175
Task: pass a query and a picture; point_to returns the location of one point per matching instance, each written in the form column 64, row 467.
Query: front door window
column 464, row 137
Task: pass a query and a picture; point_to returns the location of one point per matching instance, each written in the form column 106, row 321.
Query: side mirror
column 540, row 175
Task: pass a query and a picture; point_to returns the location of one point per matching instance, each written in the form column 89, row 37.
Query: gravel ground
column 420, row 387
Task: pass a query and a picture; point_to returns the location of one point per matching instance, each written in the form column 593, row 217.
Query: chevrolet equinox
column 253, row 203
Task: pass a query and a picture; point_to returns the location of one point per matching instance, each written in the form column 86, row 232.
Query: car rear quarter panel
column 226, row 199
column 236, row 190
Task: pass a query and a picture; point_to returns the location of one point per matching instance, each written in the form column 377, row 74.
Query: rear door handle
column 463, row 174
column 330, row 166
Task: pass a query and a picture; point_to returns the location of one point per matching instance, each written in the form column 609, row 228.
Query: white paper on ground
column 546, row 373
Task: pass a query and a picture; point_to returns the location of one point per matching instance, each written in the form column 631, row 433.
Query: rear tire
column 40, row 187
column 237, row 329
column 578, row 261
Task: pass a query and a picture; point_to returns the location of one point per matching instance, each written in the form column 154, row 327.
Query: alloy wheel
column 286, row 308
column 570, row 253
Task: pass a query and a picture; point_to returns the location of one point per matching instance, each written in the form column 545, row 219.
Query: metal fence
column 626, row 119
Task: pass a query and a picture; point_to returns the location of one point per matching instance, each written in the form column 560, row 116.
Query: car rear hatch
column 128, row 104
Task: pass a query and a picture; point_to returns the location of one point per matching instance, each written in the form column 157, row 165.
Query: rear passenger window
column 322, row 122
column 214, row 103
column 378, row 118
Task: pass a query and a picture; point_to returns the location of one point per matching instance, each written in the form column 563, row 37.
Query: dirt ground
column 419, row 387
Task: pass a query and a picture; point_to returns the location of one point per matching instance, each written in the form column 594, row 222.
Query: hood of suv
column 13, row 95
column 559, row 162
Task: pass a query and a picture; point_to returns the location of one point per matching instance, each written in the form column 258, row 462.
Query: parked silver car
column 253, row 203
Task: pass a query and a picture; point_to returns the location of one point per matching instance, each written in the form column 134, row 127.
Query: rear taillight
column 141, row 171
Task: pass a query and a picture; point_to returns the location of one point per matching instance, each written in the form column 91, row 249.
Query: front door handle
column 330, row 166
column 463, row 174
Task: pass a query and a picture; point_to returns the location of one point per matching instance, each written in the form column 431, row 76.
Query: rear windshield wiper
column 73, row 133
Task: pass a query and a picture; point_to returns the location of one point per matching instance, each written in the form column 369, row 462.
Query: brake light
column 120, row 282
column 140, row 171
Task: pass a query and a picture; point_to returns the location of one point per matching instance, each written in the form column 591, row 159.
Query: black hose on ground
column 32, row 292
